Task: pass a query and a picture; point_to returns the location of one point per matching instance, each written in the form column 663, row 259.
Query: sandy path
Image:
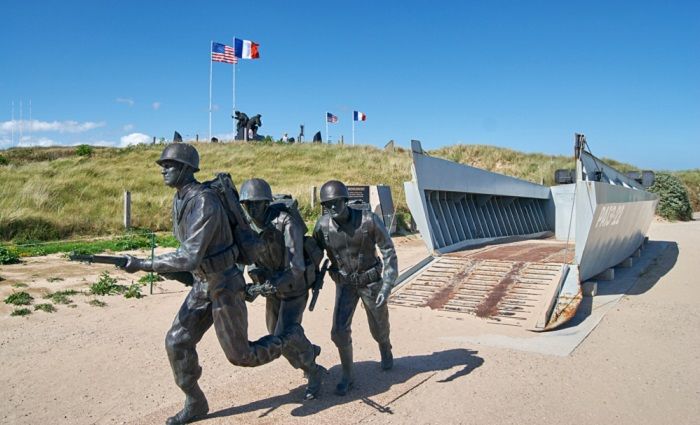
column 89, row 365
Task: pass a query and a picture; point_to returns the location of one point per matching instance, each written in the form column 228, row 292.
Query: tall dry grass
column 51, row 193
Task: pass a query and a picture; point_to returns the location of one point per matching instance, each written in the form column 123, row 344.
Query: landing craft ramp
column 486, row 233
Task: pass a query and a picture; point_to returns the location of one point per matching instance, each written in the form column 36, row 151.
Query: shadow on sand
column 370, row 381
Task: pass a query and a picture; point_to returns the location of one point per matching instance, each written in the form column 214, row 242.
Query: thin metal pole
column 20, row 122
column 353, row 128
column 233, row 107
column 211, row 49
column 12, row 140
column 326, row 117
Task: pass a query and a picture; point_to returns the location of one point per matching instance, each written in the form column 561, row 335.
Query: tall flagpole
column 211, row 49
column 353, row 128
column 326, row 127
column 233, row 93
column 12, row 142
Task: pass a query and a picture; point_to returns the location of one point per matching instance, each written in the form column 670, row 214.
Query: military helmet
column 333, row 189
column 182, row 153
column 256, row 190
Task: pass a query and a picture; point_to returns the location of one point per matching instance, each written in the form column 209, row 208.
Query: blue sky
column 524, row 75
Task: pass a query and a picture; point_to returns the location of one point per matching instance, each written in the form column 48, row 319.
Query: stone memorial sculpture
column 301, row 133
column 280, row 274
column 317, row 137
column 351, row 238
column 209, row 251
column 241, row 124
column 252, row 126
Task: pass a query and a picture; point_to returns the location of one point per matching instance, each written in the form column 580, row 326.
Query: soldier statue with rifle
column 351, row 238
column 280, row 274
column 211, row 243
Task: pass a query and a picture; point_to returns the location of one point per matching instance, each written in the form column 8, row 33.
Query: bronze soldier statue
column 351, row 237
column 279, row 273
column 208, row 250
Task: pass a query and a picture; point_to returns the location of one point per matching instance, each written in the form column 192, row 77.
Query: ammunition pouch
column 358, row 279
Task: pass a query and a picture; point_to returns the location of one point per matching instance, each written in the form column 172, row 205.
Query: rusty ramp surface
column 513, row 284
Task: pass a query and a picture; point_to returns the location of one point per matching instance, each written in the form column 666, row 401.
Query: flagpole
column 353, row 128
column 326, row 127
column 211, row 49
column 12, row 142
column 233, row 96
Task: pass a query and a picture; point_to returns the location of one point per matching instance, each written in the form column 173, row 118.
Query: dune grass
column 54, row 193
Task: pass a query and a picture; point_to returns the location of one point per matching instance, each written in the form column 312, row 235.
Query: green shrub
column 3, row 160
column 21, row 312
column 46, row 307
column 19, row 298
column 83, row 150
column 8, row 255
column 61, row 297
column 97, row 303
column 107, row 285
column 674, row 203
column 150, row 278
column 134, row 291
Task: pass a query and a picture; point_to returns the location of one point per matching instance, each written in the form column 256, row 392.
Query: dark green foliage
column 46, row 307
column 83, row 150
column 8, row 255
column 150, row 278
column 674, row 203
column 4, row 161
column 19, row 298
column 107, row 285
column 134, row 291
column 61, row 297
column 21, row 312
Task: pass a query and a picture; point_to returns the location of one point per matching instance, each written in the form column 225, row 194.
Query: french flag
column 359, row 116
column 246, row 49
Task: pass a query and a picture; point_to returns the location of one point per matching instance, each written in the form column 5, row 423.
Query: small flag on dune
column 222, row 53
column 359, row 116
column 331, row 118
column 246, row 49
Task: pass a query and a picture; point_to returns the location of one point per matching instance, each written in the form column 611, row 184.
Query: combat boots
column 348, row 377
column 387, row 358
column 196, row 407
column 315, row 381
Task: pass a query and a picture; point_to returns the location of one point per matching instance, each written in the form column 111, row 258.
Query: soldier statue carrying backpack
column 280, row 274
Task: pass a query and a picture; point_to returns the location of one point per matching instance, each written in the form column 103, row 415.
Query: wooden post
column 127, row 209
column 313, row 197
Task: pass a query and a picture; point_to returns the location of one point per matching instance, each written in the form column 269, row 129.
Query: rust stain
column 489, row 306
column 444, row 295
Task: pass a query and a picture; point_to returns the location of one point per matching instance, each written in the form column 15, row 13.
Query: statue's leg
column 190, row 324
column 231, row 323
column 346, row 298
column 378, row 319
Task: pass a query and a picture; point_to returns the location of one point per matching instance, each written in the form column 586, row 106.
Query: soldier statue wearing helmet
column 207, row 250
column 351, row 238
column 279, row 274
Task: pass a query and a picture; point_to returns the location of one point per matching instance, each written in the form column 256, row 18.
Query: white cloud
column 125, row 100
column 46, row 126
column 128, row 127
column 156, row 105
column 135, row 139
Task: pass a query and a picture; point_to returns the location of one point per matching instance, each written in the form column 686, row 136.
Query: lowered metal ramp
column 514, row 284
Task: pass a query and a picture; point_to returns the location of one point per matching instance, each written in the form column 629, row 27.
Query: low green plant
column 133, row 291
column 61, row 297
column 97, row 303
column 83, row 150
column 3, row 160
column 46, row 307
column 149, row 278
column 21, row 312
column 8, row 255
column 674, row 203
column 107, row 285
column 19, row 285
column 19, row 298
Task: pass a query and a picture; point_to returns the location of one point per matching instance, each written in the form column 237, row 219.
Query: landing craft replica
column 514, row 252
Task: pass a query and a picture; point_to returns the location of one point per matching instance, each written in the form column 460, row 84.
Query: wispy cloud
column 48, row 126
column 135, row 139
column 128, row 127
column 125, row 100
column 156, row 105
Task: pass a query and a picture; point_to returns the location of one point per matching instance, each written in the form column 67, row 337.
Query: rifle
column 318, row 284
column 120, row 261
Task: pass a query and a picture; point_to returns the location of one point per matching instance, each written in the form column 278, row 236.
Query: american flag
column 331, row 118
column 222, row 53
